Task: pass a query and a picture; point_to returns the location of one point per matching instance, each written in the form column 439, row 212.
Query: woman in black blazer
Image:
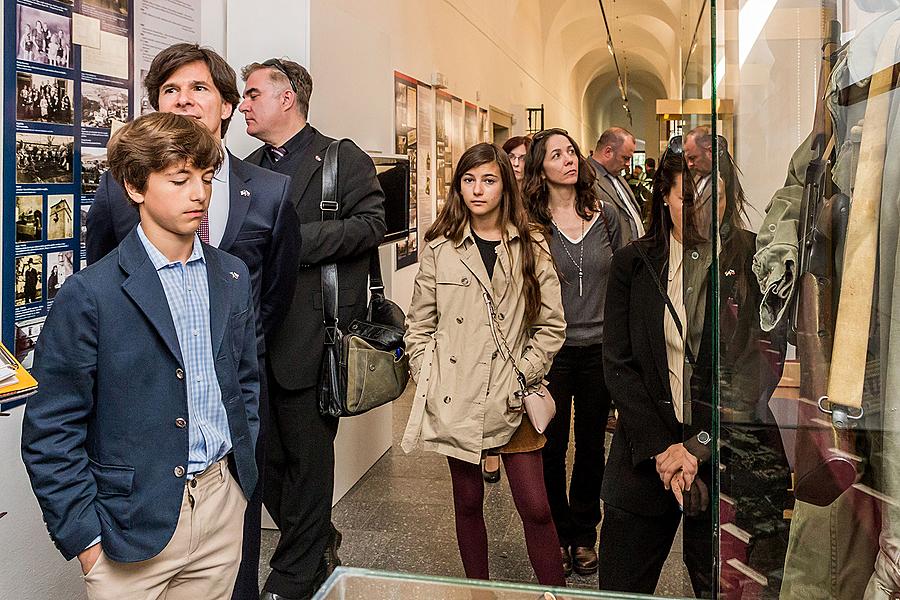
column 658, row 468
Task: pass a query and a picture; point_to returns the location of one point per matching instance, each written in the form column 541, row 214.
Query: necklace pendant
column 580, row 276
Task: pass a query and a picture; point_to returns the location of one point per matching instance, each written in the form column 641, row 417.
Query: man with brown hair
column 140, row 441
column 300, row 465
column 250, row 216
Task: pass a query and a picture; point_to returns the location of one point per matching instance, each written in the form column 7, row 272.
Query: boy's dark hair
column 157, row 141
column 174, row 57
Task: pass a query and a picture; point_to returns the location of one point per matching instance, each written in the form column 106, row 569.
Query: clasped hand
column 676, row 460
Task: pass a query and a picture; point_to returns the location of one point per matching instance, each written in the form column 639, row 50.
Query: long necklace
column 580, row 263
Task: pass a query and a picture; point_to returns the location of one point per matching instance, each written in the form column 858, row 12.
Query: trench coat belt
column 417, row 415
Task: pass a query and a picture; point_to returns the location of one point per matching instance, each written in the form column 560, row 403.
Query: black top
column 488, row 250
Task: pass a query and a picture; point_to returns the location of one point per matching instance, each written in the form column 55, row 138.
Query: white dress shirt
column 219, row 203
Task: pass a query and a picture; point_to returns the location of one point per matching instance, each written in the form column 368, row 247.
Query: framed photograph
column 119, row 7
column 60, row 216
column 44, row 99
column 29, row 279
column 44, row 158
column 93, row 166
column 27, row 333
column 60, row 267
column 43, row 37
column 29, row 218
column 100, row 104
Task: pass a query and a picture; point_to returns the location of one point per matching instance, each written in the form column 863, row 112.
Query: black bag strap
column 330, row 206
column 665, row 296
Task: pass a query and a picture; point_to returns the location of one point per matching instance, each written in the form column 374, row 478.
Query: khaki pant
column 200, row 561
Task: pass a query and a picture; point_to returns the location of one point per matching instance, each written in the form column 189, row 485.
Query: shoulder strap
column 330, row 206
column 667, row 300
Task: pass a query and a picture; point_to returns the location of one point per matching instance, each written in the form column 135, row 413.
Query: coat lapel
column 239, row 199
column 472, row 259
column 309, row 164
column 219, row 300
column 144, row 287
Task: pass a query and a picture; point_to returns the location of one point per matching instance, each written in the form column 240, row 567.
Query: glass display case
column 791, row 211
column 362, row 584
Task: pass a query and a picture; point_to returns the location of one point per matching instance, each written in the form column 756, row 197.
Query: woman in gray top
column 583, row 234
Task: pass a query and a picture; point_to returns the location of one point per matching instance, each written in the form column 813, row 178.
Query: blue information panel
column 68, row 78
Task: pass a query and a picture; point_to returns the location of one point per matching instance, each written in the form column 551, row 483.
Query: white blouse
column 674, row 340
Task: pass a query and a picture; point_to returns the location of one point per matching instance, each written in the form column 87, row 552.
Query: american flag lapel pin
column 730, row 273
column 318, row 158
column 235, row 275
column 245, row 192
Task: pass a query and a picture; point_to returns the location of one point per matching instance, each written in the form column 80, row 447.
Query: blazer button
column 500, row 317
column 180, row 423
column 465, row 281
column 179, row 373
column 179, row 471
column 446, row 399
column 695, row 255
column 493, row 355
column 453, row 360
column 459, row 319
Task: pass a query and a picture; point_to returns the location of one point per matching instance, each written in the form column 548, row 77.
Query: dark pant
column 576, row 378
column 246, row 587
column 523, row 470
column 633, row 549
column 299, row 488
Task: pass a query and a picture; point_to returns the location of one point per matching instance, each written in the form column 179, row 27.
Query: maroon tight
column 525, row 472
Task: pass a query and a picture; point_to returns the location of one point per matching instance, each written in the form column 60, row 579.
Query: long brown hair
column 537, row 193
column 453, row 220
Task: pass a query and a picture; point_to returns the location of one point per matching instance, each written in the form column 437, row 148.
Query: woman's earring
column 665, row 203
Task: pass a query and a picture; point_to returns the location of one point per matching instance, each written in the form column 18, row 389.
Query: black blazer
column 262, row 231
column 296, row 348
column 636, row 370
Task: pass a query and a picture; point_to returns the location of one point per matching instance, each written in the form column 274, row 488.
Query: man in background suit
column 301, row 453
column 250, row 216
column 613, row 152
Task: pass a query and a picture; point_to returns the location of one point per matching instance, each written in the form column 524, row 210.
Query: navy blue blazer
column 103, row 438
column 262, row 230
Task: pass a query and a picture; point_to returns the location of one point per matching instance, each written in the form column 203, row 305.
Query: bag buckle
column 331, row 335
column 328, row 206
column 516, row 408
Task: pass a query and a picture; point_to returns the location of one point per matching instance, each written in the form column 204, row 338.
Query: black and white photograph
column 29, row 279
column 29, row 218
column 119, row 7
column 60, row 216
column 93, row 166
column 43, row 37
column 101, row 104
column 44, row 158
column 44, row 99
column 27, row 333
column 60, row 266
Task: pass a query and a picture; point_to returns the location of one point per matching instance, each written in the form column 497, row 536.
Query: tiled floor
column 399, row 517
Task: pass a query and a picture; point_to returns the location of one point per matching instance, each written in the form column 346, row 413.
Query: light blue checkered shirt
column 187, row 291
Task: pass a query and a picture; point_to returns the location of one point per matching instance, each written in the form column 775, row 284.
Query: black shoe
column 332, row 560
column 271, row 596
column 585, row 560
column 490, row 476
column 566, row 560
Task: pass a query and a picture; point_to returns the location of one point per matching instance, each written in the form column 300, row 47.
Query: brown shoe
column 585, row 560
column 566, row 560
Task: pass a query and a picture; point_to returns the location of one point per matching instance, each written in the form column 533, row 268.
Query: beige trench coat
column 463, row 384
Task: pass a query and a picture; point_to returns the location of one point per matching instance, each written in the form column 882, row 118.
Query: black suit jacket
column 296, row 348
column 262, row 231
column 636, row 370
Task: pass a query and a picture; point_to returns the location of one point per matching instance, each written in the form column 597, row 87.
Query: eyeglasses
column 279, row 66
column 548, row 132
column 676, row 144
column 516, row 158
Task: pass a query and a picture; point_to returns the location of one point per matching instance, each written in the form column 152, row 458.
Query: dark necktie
column 276, row 153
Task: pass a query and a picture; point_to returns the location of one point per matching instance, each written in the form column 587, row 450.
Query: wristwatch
column 699, row 446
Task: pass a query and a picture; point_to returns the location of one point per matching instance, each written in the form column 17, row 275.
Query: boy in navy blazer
column 140, row 441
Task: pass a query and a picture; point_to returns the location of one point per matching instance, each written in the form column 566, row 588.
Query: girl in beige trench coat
column 482, row 242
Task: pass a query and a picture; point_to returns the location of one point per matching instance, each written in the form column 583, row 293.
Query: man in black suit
column 301, row 450
column 249, row 216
